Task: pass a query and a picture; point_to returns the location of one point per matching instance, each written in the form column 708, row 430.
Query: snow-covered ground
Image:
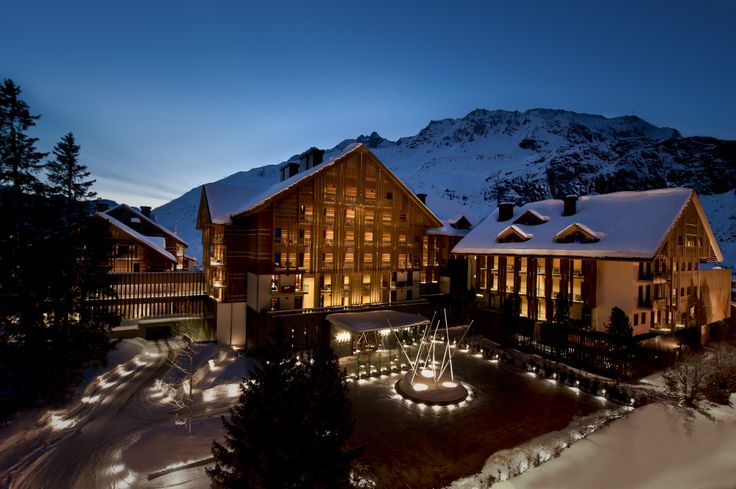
column 120, row 430
column 654, row 447
column 95, row 439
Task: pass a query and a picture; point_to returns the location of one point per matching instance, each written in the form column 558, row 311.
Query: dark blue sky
column 166, row 95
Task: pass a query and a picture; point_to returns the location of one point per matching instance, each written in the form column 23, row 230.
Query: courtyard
column 410, row 445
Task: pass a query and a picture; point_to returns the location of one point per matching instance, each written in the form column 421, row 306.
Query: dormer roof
column 530, row 217
column 512, row 234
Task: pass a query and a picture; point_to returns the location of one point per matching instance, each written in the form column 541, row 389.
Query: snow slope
column 466, row 165
column 655, row 447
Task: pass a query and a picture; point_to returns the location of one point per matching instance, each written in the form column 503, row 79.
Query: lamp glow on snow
column 431, row 379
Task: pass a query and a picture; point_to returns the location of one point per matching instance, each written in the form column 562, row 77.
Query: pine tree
column 19, row 186
column 328, row 463
column 618, row 324
column 19, row 159
column 290, row 427
column 562, row 308
column 51, row 263
column 69, row 182
column 621, row 331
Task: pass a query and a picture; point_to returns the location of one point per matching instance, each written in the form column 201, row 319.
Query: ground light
column 431, row 379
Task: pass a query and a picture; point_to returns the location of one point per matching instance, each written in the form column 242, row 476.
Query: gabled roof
column 148, row 241
column 576, row 227
column 226, row 201
column 631, row 225
column 141, row 216
column 513, row 230
column 531, row 217
column 453, row 226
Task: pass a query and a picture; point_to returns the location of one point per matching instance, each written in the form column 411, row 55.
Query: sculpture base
column 427, row 391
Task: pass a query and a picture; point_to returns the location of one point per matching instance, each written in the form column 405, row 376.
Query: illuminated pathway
column 81, row 446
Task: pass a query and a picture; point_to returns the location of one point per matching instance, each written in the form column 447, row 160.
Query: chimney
column 311, row 158
column 289, row 169
column 423, row 198
column 146, row 211
column 505, row 211
column 570, row 207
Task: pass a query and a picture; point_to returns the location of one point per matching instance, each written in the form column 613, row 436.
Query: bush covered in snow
column 509, row 463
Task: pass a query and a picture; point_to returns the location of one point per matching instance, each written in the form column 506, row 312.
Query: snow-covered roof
column 449, row 228
column 626, row 224
column 153, row 242
column 222, row 198
column 513, row 229
column 226, row 201
column 141, row 216
column 365, row 321
column 532, row 215
column 576, row 226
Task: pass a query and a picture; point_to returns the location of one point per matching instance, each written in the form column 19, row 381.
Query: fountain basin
column 425, row 390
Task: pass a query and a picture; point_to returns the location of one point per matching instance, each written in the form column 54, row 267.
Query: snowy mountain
column 467, row 165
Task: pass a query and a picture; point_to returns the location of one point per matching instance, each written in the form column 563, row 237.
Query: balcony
column 287, row 290
column 644, row 304
column 646, row 276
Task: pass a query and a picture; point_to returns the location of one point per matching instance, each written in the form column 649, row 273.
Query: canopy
column 363, row 322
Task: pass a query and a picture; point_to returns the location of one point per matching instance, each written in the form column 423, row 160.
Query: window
column 389, row 195
column 643, row 318
column 277, row 258
column 636, row 320
column 368, row 237
column 386, row 258
column 277, row 235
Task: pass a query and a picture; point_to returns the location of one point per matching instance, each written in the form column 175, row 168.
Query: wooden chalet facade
column 153, row 278
column 639, row 251
column 142, row 245
column 346, row 232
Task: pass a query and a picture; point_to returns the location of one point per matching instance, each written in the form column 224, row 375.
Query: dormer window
column 135, row 220
column 531, row 218
column 513, row 234
column 576, row 233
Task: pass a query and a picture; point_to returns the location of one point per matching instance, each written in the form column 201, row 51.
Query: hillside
column 466, row 165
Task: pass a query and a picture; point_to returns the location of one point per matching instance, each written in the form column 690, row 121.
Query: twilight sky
column 166, row 95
